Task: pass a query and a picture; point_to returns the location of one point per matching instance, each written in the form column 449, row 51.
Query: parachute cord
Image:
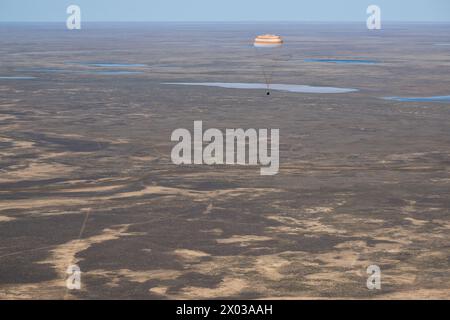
column 266, row 77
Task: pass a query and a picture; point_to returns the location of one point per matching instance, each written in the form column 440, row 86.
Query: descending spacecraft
column 268, row 49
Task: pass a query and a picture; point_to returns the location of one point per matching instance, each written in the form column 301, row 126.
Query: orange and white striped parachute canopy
column 268, row 41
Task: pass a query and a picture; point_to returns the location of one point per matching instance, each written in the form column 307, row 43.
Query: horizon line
column 224, row 21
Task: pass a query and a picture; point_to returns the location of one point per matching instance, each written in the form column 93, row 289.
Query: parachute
column 268, row 49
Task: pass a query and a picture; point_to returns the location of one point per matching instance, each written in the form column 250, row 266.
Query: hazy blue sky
column 224, row 10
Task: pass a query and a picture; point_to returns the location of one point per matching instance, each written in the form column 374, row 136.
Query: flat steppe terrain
column 86, row 176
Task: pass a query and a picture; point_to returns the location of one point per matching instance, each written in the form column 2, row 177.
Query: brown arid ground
column 86, row 176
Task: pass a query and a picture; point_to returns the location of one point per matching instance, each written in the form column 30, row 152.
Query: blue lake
column 110, row 72
column 261, row 86
column 44, row 70
column 17, row 78
column 113, row 65
column 87, row 71
column 420, row 99
column 343, row 61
